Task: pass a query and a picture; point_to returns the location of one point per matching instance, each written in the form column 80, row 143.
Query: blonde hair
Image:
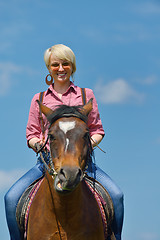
column 62, row 52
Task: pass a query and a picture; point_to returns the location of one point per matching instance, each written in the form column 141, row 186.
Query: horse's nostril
column 79, row 173
column 62, row 174
column 62, row 171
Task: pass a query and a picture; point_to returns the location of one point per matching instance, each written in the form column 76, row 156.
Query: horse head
column 69, row 141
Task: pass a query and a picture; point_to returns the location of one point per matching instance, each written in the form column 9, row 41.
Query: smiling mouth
column 61, row 74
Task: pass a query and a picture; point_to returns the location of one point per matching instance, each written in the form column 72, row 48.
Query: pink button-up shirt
column 71, row 97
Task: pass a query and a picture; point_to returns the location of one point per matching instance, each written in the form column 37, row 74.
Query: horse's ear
column 45, row 110
column 87, row 107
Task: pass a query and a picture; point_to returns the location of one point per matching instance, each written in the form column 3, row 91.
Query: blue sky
column 116, row 44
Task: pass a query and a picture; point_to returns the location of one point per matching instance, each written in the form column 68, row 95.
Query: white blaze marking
column 67, row 144
column 66, row 126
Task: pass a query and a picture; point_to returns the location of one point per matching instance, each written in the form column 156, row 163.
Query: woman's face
column 60, row 70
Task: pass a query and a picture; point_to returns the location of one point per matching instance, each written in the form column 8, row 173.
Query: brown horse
column 64, row 207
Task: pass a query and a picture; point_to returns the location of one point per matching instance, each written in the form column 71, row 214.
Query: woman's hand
column 96, row 139
column 33, row 141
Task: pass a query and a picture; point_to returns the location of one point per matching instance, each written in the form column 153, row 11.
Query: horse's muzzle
column 68, row 178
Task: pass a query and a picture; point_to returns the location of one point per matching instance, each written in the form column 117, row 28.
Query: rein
column 53, row 173
column 97, row 145
column 51, row 170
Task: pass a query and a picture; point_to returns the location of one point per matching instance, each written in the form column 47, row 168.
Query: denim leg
column 13, row 195
column 116, row 195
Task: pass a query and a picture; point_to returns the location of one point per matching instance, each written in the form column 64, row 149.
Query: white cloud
column 149, row 80
column 126, row 31
column 149, row 236
column 7, row 178
column 121, row 33
column 7, row 72
column 12, row 31
column 147, row 7
column 137, row 31
column 117, row 91
column 158, row 140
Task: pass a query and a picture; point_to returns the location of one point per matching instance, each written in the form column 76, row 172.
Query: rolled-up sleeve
column 94, row 121
column 33, row 128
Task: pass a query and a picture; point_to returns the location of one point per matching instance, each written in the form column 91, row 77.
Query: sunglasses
column 65, row 65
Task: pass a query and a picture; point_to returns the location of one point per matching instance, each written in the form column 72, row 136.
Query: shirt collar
column 71, row 86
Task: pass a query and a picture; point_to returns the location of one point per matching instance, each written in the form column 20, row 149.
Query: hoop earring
column 49, row 82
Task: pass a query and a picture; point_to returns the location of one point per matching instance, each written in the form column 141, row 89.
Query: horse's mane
column 67, row 111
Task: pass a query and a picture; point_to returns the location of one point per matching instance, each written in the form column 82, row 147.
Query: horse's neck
column 70, row 202
column 65, row 206
column 73, row 212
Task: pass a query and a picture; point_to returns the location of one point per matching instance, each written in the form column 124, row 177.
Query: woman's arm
column 33, row 130
column 94, row 121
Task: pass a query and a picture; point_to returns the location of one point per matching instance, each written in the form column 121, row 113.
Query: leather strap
column 41, row 95
column 83, row 92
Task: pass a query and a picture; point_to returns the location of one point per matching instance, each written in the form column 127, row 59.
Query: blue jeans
column 13, row 195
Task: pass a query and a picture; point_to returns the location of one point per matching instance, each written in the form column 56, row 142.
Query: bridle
column 40, row 148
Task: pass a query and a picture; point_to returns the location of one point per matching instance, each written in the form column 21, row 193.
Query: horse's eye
column 51, row 137
column 86, row 135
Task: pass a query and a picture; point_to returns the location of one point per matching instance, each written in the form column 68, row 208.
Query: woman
column 61, row 64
